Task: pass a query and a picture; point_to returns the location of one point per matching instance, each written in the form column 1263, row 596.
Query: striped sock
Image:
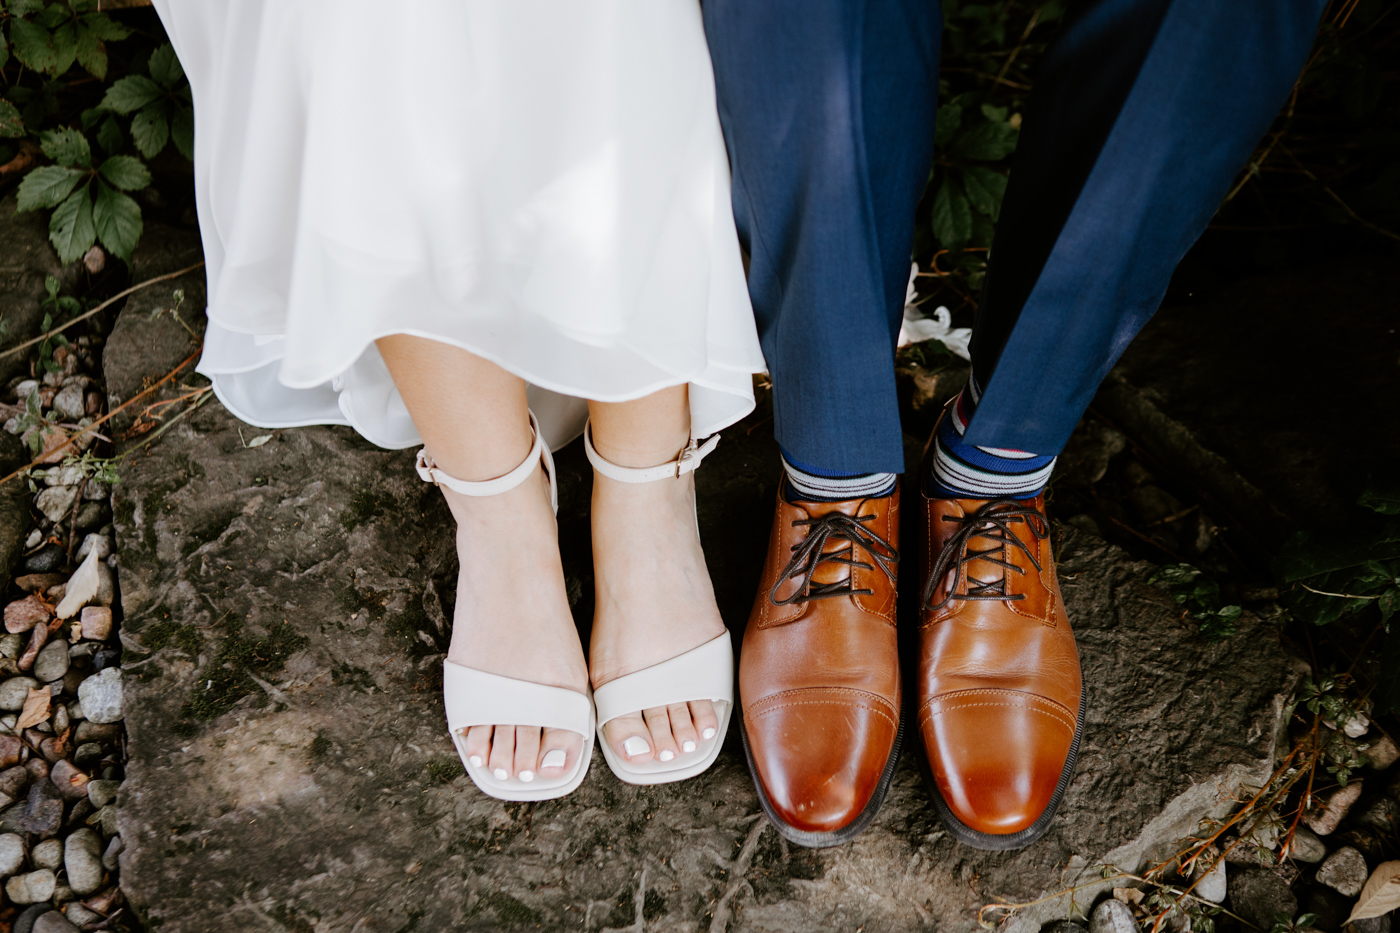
column 814, row 485
column 962, row 471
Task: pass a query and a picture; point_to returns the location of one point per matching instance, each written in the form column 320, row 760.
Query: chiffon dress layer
column 541, row 182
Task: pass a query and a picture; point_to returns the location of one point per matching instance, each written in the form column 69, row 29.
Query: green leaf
column 33, row 45
column 24, row 7
column 985, row 142
column 995, row 114
column 92, row 54
column 952, row 217
column 4, row 51
column 165, row 66
column 1388, row 603
column 150, row 129
column 182, row 130
column 47, row 186
column 53, row 14
column 125, row 172
column 985, row 189
column 118, row 220
column 105, row 28
column 1381, row 495
column 947, row 123
column 71, row 229
column 65, row 47
column 67, row 147
column 11, row 123
column 109, row 135
column 131, row 93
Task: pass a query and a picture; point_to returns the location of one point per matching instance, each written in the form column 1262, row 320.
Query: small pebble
column 1112, row 917
column 87, row 756
column 72, row 784
column 1344, row 872
column 80, row 915
column 1382, row 754
column 38, row 636
column 23, row 614
column 15, row 691
column 14, row 780
column 69, row 402
column 49, row 558
column 62, row 894
column 56, row 501
column 111, row 857
column 10, row 746
column 31, row 542
column 1306, row 847
column 102, row 793
column 1383, row 815
column 53, row 921
column 101, row 696
column 43, row 810
column 38, row 582
column 96, row 732
column 47, row 854
column 52, row 662
column 97, row 623
column 94, row 542
column 82, row 859
column 60, row 719
column 11, row 854
column 91, row 515
column 32, row 888
column 1212, row 886
column 38, row 768
column 24, row 923
column 12, row 645
column 105, row 658
column 1325, row 820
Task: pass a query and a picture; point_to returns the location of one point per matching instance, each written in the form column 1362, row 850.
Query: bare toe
column 478, row 745
column 659, row 724
column 702, row 713
column 502, row 760
column 559, row 749
column 629, row 737
column 682, row 728
column 527, row 752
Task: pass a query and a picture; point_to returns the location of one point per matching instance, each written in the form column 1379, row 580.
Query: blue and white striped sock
column 964, row 471
column 812, row 485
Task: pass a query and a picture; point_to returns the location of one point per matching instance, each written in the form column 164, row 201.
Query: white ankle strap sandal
column 476, row 698
column 703, row 673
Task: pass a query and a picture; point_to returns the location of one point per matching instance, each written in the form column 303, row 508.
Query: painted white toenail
column 500, row 774
column 667, row 754
column 687, row 746
column 554, row 758
column 527, row 776
column 635, row 745
column 475, row 761
column 708, row 733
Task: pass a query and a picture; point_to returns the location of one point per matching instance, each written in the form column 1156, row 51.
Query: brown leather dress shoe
column 1001, row 705
column 819, row 669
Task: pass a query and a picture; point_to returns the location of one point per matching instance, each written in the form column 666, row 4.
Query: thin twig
column 106, row 304
column 1338, row 199
column 1342, row 595
column 1035, row 18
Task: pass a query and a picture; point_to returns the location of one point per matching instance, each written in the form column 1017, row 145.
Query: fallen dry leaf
column 1381, row 894
column 36, row 708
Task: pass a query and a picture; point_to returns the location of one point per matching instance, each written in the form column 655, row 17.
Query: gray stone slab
column 285, row 609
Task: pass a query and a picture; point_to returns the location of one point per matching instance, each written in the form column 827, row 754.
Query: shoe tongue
column 830, row 571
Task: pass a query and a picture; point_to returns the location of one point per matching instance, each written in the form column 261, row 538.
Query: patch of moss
column 363, row 506
column 227, row 680
column 653, row 905
column 404, row 628
column 185, row 729
column 443, row 770
column 625, row 913
column 507, row 909
column 170, row 633
column 343, row 674
column 320, row 746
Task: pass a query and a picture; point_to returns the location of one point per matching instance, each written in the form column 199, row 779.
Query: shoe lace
column 810, row 553
column 993, row 522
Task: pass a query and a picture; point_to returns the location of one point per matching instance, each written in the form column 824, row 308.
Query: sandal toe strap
column 703, row 673
column 476, row 698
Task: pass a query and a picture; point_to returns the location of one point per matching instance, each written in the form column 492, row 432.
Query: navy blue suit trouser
column 1142, row 114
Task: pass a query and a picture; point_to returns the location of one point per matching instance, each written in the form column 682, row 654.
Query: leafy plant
column 1201, row 597
column 161, row 102
column 88, row 200
column 968, row 190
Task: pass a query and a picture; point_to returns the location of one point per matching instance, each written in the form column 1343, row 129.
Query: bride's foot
column 512, row 618
column 654, row 602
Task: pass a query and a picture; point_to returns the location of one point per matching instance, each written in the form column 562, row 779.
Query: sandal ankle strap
column 687, row 462
column 493, row 487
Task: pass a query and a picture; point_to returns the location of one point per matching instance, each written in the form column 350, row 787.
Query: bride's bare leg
column 655, row 599
column 512, row 615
